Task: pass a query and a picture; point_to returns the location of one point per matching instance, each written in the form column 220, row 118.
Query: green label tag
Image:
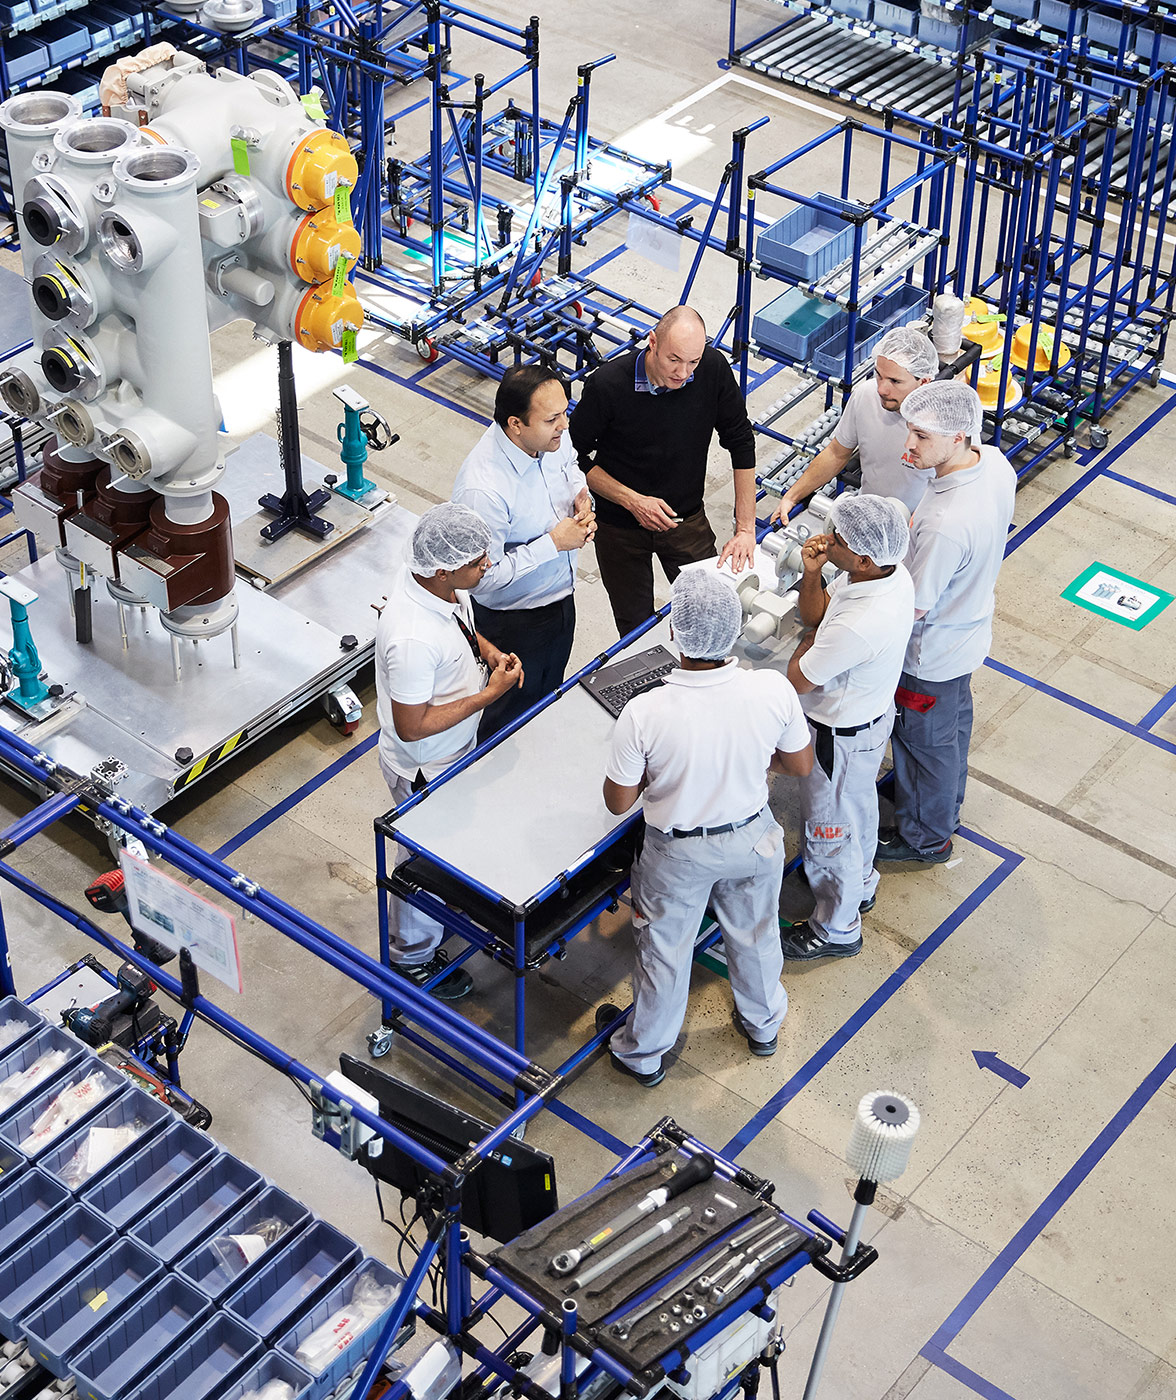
column 240, row 155
column 350, row 353
column 312, row 105
column 339, row 281
column 343, row 204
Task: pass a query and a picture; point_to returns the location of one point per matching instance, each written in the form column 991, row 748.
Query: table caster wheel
column 379, row 1043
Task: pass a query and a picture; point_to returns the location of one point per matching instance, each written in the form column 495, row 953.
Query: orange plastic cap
column 318, row 245
column 322, row 160
column 322, row 317
column 1046, row 345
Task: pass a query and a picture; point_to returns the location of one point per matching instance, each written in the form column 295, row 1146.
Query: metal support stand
column 294, row 510
column 849, row 1249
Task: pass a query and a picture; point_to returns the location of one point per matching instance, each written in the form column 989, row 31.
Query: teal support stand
column 23, row 661
column 362, row 429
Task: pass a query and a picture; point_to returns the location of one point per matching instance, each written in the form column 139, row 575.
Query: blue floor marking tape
column 1138, row 731
column 964, row 1374
column 424, row 393
column 588, row 1128
column 874, row 1003
column 1139, row 486
column 1159, row 710
column 1009, row 1256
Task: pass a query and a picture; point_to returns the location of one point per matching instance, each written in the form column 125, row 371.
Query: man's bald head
column 676, row 344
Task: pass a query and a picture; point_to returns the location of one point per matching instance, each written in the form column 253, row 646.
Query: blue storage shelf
column 46, row 1261
column 118, row 1357
column 132, row 1107
column 203, row 1364
column 198, row 1207
column 292, row 1279
column 203, row 1268
column 95, row 1297
column 795, row 322
column 829, row 356
column 17, row 1124
column 351, row 1356
column 807, row 243
column 42, row 1042
column 132, row 1190
column 26, row 1204
column 274, row 1366
column 906, row 303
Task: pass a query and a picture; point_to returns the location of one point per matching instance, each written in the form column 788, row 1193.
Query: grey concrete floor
column 1022, row 1253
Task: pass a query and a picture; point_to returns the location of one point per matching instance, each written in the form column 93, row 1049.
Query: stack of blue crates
column 112, row 1281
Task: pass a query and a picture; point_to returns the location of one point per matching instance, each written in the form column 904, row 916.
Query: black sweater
column 657, row 444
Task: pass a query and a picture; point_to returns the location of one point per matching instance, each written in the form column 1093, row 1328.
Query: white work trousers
column 674, row 879
column 413, row 935
column 840, row 815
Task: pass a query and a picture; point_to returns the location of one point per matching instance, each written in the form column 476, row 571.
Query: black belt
column 823, row 747
column 715, row 830
column 542, row 610
column 845, row 733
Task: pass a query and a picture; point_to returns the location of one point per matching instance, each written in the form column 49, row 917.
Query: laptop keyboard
column 617, row 696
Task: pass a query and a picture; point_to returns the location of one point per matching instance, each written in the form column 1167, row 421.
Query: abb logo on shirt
column 828, row 833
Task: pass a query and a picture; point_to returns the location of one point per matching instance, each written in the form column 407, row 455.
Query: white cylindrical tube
column 947, row 324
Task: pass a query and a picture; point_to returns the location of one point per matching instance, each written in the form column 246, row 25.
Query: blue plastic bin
column 1055, row 15
column 122, row 26
column 292, row 1280
column 203, row 1364
column 46, row 1261
column 118, row 1357
column 14, row 12
column 135, row 1188
column 65, row 38
column 279, row 9
column 25, row 56
column 1016, row 9
column 12, row 1008
column 42, row 1042
column 80, row 83
column 69, row 1318
column 794, row 323
column 352, row 1355
column 809, row 242
column 273, row 1366
column 855, row 9
column 198, row 1207
column 942, row 28
column 16, row 1125
column 897, row 17
column 906, row 303
column 829, row 356
column 1106, row 28
column 26, row 1204
column 100, row 31
column 202, row 1266
column 132, row 1107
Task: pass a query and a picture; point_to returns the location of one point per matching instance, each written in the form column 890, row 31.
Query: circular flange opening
column 157, row 166
column 33, row 111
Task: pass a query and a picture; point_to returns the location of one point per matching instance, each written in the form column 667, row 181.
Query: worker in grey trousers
column 700, row 749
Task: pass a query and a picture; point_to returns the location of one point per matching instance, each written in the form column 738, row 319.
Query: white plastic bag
column 66, row 1108
column 98, row 1147
column 369, row 1298
column 10, row 1031
column 17, row 1085
column 271, row 1390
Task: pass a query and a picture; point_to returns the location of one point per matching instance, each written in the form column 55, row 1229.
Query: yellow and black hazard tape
column 210, row 760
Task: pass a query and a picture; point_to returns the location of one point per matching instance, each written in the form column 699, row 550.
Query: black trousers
column 542, row 640
column 625, row 559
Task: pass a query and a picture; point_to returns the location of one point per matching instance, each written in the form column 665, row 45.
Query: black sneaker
column 867, row 904
column 458, row 984
column 760, row 1048
column 802, row 944
column 605, row 1016
column 894, row 848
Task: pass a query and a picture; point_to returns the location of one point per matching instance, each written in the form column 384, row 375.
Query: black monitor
column 513, row 1188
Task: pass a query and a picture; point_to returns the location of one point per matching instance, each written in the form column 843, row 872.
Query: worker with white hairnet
column 872, row 425
column 958, row 537
column 700, row 749
column 434, row 677
column 845, row 671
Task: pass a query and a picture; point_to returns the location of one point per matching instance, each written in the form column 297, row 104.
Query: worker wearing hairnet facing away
column 958, row 536
column 700, row 749
column 845, row 671
column 872, row 424
column 434, row 677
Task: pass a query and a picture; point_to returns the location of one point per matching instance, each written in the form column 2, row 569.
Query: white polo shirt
column 856, row 658
column 880, row 438
column 958, row 538
column 706, row 739
column 423, row 657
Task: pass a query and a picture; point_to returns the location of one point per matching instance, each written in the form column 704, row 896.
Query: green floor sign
column 1109, row 593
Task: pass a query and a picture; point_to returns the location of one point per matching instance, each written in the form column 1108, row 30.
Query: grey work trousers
column 413, row 935
column 840, row 815
column 930, row 751
column 674, row 879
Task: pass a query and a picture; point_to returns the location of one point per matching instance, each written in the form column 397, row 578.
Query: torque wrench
column 638, row 1242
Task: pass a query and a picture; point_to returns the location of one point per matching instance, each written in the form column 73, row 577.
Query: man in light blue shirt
column 523, row 479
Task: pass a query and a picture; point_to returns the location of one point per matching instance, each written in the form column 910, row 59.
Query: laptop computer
column 616, row 684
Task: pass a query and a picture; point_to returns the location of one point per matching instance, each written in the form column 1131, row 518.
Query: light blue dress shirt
column 520, row 498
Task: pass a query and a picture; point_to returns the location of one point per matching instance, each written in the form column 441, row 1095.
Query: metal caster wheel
column 427, row 350
column 1099, row 437
column 379, row 1043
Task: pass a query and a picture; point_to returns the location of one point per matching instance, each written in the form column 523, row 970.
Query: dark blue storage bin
column 149, row 1329
column 809, row 242
column 132, row 1190
column 80, row 83
column 220, row 1349
column 1055, row 15
column 855, row 9
column 70, row 1318
column 43, row 1042
column 16, row 1125
column 12, row 1008
column 26, row 1204
column 795, row 322
column 65, row 38
column 25, row 56
column 273, row 1366
column 941, row 27
column 1106, row 28
column 356, row 1351
column 14, row 12
column 100, row 31
column 198, row 1207
column 202, row 1266
column 829, row 356
column 132, row 1107
column 897, row 17
column 291, row 1280
column 122, row 26
column 906, row 303
column 1016, row 9
column 50, row 1257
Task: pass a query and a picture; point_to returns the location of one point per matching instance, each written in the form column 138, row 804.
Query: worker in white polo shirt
column 434, row 677
column 700, row 749
column 845, row 671
column 873, row 425
column 958, row 537
column 523, row 479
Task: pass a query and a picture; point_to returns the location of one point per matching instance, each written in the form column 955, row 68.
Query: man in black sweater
column 642, row 430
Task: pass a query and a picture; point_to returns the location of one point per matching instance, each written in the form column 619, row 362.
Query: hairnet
column 910, row 349
column 706, row 614
column 447, row 537
column 945, row 407
column 876, row 526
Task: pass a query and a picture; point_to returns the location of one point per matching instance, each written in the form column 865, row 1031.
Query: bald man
column 642, row 431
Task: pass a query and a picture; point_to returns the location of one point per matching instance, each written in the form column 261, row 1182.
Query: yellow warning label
column 210, row 759
column 210, row 203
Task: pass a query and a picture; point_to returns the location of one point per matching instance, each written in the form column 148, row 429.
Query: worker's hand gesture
column 740, row 550
column 652, row 513
column 507, row 673
column 571, row 533
column 785, row 507
column 585, row 511
column 815, row 553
